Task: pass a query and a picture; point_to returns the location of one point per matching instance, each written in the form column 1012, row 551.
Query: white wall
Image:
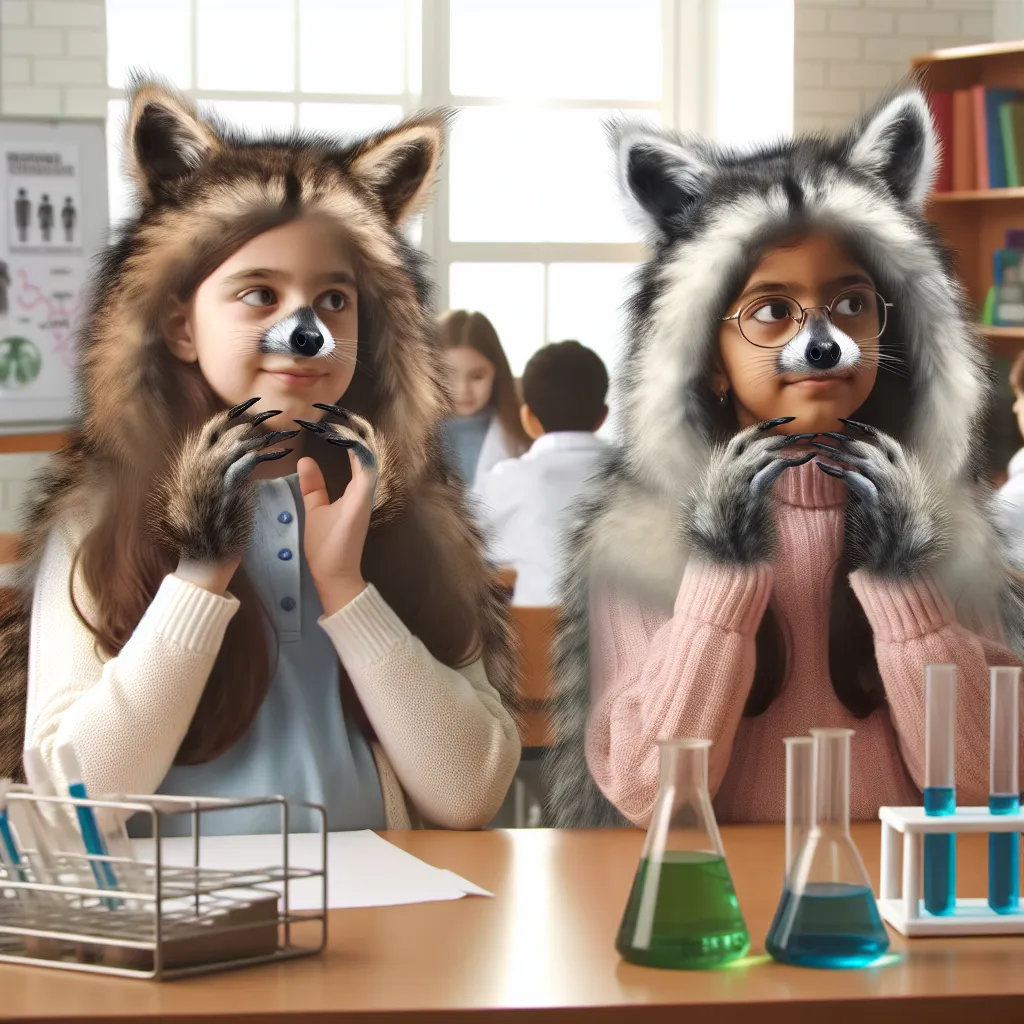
column 847, row 51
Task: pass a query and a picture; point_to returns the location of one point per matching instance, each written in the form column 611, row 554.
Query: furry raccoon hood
column 709, row 214
column 203, row 191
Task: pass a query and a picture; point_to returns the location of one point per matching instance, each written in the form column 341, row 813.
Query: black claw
column 316, row 428
column 802, row 460
column 278, row 435
column 239, row 409
column 340, row 442
column 870, row 431
column 841, row 438
column 271, row 456
column 827, row 448
column 768, row 424
column 257, row 420
column 333, row 409
column 831, row 470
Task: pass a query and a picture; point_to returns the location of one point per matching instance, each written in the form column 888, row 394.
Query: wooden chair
column 535, row 629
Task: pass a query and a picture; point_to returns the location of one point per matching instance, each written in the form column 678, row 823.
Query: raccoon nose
column 823, row 355
column 306, row 341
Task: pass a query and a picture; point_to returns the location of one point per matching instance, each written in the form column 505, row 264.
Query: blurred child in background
column 527, row 500
column 485, row 429
column 1011, row 506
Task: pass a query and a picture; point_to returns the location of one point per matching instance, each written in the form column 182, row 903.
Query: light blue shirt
column 301, row 744
column 465, row 437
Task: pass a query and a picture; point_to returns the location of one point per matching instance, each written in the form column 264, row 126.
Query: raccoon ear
column 400, row 165
column 661, row 176
column 166, row 139
column 896, row 143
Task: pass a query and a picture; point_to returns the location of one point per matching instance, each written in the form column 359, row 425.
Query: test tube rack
column 900, row 901
column 164, row 921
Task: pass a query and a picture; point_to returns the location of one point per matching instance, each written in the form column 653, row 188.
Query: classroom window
column 527, row 223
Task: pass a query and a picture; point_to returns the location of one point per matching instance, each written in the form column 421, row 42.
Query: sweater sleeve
column 125, row 716
column 915, row 625
column 687, row 676
column 453, row 745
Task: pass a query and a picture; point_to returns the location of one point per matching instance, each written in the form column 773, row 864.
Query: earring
column 723, row 396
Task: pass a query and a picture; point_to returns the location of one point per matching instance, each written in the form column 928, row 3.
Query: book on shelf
column 981, row 138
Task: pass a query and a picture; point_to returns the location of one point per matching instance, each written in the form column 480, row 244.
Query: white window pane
column 585, row 303
column 246, row 45
column 149, row 35
column 352, row 46
column 757, row 36
column 254, row 119
column 534, row 176
column 119, row 195
column 348, row 118
column 570, row 49
column 511, row 296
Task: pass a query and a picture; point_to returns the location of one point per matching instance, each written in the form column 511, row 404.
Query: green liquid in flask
column 696, row 921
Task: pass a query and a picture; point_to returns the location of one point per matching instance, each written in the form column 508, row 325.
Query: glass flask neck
column 832, row 779
column 683, row 818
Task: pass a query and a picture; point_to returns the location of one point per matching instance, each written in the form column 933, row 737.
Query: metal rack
column 163, row 921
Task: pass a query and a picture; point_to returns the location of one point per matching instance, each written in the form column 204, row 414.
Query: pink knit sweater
column 690, row 674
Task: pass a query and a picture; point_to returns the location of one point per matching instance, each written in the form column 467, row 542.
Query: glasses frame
column 804, row 310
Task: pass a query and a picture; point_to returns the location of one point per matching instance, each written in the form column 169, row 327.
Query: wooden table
column 544, row 947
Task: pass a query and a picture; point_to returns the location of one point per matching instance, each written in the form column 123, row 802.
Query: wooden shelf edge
column 977, row 195
column 967, row 52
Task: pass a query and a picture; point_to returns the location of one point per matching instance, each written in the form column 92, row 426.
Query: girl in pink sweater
column 754, row 561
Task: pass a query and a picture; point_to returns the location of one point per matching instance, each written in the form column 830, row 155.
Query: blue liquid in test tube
column 940, row 787
column 1004, row 791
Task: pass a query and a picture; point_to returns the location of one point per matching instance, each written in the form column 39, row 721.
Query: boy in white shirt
column 527, row 500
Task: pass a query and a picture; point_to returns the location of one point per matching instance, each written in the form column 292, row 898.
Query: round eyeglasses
column 771, row 321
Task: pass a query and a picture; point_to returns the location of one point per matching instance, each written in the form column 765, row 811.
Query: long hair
column 122, row 562
column 462, row 328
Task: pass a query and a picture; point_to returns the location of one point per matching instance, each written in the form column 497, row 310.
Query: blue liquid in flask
column 1004, row 859
column 939, row 854
column 832, row 925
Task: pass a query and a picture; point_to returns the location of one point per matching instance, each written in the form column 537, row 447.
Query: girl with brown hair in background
column 485, row 429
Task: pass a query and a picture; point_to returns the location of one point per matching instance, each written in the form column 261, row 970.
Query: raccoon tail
column 573, row 797
column 15, row 617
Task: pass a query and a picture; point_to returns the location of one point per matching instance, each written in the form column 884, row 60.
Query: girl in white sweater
column 210, row 613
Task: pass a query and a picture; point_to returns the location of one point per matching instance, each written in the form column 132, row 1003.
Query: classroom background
column 526, row 225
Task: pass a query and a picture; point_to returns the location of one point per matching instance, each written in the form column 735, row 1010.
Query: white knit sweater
column 444, row 736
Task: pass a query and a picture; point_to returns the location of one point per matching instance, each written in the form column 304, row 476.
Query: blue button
column 285, row 554
column 288, row 603
column 284, row 517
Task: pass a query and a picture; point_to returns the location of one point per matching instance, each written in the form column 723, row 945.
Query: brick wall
column 848, row 51
column 53, row 58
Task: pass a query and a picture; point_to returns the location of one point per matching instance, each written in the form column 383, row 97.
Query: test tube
column 799, row 793
column 940, row 786
column 1004, row 789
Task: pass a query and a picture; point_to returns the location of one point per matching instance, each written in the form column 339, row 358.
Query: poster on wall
column 46, row 241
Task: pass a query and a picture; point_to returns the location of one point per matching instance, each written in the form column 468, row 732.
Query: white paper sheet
column 363, row 870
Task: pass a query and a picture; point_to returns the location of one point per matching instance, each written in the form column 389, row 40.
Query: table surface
column 545, row 945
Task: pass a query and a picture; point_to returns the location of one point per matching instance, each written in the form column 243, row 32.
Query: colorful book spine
column 964, row 164
column 981, row 149
column 1008, row 135
column 941, row 104
column 993, row 99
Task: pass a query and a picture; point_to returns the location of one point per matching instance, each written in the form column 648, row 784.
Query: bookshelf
column 973, row 223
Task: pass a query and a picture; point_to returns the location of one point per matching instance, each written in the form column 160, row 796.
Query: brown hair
column 123, row 560
column 462, row 328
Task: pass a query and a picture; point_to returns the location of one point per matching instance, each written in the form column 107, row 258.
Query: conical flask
column 682, row 910
column 827, row 915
